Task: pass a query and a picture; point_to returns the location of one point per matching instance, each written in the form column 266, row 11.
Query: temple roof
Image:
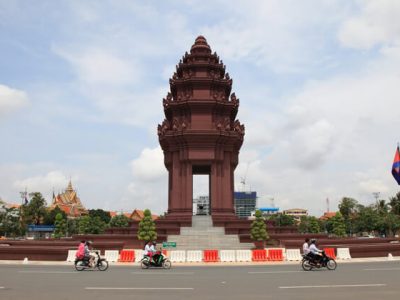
column 69, row 202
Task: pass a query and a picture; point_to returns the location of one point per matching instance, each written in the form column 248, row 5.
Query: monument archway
column 200, row 133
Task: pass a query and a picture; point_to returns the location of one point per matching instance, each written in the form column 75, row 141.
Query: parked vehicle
column 160, row 261
column 83, row 263
column 309, row 263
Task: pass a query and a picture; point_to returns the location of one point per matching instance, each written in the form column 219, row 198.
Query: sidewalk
column 198, row 264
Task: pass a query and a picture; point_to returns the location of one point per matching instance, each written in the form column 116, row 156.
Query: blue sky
column 82, row 82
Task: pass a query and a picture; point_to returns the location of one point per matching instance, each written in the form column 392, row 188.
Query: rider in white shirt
column 306, row 248
column 315, row 251
column 149, row 249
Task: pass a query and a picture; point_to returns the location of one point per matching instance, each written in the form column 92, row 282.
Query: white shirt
column 148, row 249
column 313, row 249
column 306, row 249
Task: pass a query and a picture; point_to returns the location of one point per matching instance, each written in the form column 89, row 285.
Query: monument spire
column 200, row 133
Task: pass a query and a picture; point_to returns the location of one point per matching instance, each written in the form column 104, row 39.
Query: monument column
column 200, row 133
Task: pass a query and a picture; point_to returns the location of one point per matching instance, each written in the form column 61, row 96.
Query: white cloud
column 275, row 33
column 149, row 165
column 330, row 132
column 148, row 188
column 52, row 181
column 378, row 23
column 100, row 66
column 11, row 99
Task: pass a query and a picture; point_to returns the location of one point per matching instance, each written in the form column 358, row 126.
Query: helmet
column 313, row 241
column 89, row 242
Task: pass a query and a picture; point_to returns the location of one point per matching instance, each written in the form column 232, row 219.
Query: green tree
column 348, row 210
column 282, row 220
column 303, row 226
column 147, row 227
column 314, row 225
column 72, row 226
column 50, row 216
column 119, row 221
column 10, row 225
column 395, row 204
column 258, row 231
column 91, row 225
column 392, row 223
column 367, row 219
column 309, row 224
column 102, row 214
column 35, row 210
column 338, row 225
column 60, row 224
column 84, row 225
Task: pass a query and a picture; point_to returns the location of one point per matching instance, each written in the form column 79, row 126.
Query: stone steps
column 202, row 235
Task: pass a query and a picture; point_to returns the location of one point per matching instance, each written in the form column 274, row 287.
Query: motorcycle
column 159, row 261
column 83, row 263
column 308, row 263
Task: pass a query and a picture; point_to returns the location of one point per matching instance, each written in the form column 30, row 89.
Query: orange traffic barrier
column 259, row 255
column 330, row 252
column 210, row 256
column 127, row 256
column 275, row 254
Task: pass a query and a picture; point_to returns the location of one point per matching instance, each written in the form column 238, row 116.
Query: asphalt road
column 365, row 281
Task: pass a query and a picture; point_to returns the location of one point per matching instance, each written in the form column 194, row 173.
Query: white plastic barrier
column 194, row 256
column 177, row 256
column 243, row 255
column 111, row 255
column 293, row 255
column 227, row 255
column 343, row 253
column 138, row 255
column 71, row 255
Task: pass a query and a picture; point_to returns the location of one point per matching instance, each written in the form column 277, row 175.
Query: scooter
column 158, row 261
column 83, row 263
column 309, row 263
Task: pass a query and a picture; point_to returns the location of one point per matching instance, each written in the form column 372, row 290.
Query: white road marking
column 50, row 272
column 383, row 269
column 275, row 272
column 332, row 286
column 135, row 288
column 162, row 273
column 2, row 287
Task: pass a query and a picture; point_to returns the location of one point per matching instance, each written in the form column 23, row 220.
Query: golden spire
column 69, row 187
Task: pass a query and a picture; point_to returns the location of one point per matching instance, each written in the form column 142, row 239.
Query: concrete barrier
column 227, row 255
column 243, row 255
column 293, row 255
column 111, row 255
column 71, row 255
column 138, row 255
column 194, row 256
column 343, row 253
column 127, row 255
column 177, row 255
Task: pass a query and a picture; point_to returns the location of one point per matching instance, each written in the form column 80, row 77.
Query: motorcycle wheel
column 144, row 264
column 102, row 265
column 166, row 264
column 306, row 265
column 79, row 265
column 331, row 264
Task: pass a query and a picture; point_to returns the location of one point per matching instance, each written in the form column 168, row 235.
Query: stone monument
column 200, row 133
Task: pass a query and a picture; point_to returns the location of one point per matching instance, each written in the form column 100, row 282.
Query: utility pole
column 327, row 205
column 376, row 196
